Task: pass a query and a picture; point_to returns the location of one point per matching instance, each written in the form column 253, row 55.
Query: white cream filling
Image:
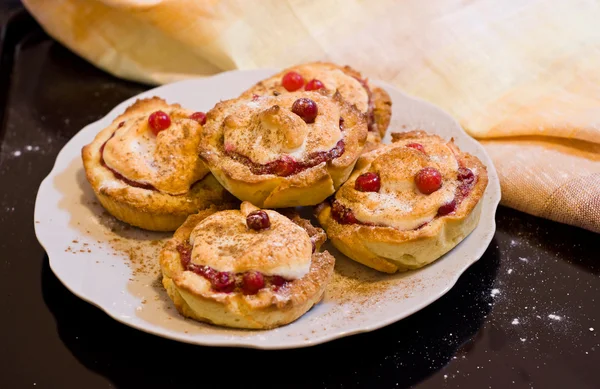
column 144, row 149
column 263, row 143
column 141, row 149
column 226, row 263
column 297, row 153
column 398, row 213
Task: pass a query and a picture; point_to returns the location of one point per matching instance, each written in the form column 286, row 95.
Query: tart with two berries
column 247, row 268
column 294, row 149
column 145, row 170
column 374, row 102
column 406, row 203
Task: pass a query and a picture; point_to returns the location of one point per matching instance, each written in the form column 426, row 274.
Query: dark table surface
column 526, row 315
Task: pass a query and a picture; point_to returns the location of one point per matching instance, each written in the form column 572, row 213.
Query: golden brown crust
column 309, row 186
column 267, row 309
column 373, row 142
column 388, row 249
column 147, row 208
column 382, row 110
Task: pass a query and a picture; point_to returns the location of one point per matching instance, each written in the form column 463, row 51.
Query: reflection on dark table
column 523, row 316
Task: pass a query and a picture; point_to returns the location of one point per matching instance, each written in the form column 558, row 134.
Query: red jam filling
column 248, row 283
column 342, row 214
column 287, row 166
column 466, row 177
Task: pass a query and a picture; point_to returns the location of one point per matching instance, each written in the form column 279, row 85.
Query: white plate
column 114, row 267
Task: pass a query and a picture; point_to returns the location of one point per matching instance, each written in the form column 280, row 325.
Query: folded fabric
column 520, row 75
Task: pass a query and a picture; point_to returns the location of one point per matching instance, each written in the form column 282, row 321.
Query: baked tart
column 406, row 203
column 247, row 268
column 281, row 151
column 145, row 170
column 374, row 102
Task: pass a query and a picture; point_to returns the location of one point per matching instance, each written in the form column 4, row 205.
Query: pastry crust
column 140, row 203
column 374, row 102
column 391, row 249
column 382, row 111
column 309, row 186
column 271, row 307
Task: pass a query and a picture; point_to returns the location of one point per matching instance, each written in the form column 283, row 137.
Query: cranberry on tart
column 247, row 268
column 374, row 102
column 406, row 203
column 282, row 151
column 145, row 170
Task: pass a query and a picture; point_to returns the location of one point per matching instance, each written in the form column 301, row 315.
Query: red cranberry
column 258, row 220
column 292, row 81
column 368, row 182
column 121, row 124
column 341, row 124
column 283, row 167
column 278, row 280
column 200, row 117
column 255, row 97
column 416, row 146
column 466, row 175
column 306, row 109
column 159, row 121
column 223, row 281
column 447, row 208
column 252, row 282
column 314, row 84
column 428, row 180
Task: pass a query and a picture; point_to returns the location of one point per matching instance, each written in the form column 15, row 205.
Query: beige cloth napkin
column 522, row 76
